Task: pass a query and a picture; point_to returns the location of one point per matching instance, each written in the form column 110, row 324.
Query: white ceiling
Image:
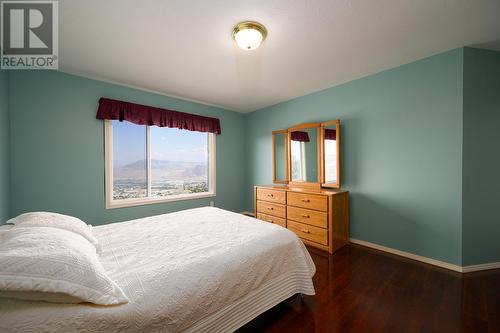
column 184, row 48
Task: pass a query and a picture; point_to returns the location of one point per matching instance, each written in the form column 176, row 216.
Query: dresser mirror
column 307, row 155
column 280, row 168
column 304, row 153
column 331, row 153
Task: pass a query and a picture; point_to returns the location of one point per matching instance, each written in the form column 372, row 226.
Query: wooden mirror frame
column 309, row 185
column 287, row 174
column 322, row 153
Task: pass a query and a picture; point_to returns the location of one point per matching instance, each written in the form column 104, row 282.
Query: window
column 150, row 164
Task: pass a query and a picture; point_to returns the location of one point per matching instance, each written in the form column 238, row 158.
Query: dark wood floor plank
column 364, row 290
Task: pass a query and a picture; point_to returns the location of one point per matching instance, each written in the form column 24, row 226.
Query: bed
column 197, row 270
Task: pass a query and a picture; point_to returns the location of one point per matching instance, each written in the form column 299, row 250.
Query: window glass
column 179, row 162
column 129, row 161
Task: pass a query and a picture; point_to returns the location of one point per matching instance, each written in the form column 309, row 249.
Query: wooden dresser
column 319, row 218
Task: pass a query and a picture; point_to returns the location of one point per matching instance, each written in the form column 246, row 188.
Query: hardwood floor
column 363, row 290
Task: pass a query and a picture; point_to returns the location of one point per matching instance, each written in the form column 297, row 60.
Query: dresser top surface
column 301, row 190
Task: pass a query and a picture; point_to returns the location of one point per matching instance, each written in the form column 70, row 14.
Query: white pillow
column 55, row 220
column 54, row 261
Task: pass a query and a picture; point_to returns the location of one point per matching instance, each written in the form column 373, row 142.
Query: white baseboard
column 480, row 267
column 456, row 268
column 247, row 213
column 434, row 262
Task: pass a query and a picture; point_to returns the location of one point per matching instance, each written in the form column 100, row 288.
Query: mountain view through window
column 178, row 162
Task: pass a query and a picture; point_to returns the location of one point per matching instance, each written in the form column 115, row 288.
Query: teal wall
column 57, row 147
column 481, row 152
column 401, row 152
column 4, row 146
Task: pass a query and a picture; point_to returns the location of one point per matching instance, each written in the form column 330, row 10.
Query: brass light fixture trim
column 250, row 25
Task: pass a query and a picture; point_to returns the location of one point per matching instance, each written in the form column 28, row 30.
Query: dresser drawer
column 307, row 216
column 272, row 219
column 313, row 234
column 271, row 195
column 271, row 209
column 309, row 201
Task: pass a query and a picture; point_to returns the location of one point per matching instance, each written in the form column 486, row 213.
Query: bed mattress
column 197, row 270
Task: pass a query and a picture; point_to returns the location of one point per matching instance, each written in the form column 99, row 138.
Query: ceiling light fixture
column 249, row 35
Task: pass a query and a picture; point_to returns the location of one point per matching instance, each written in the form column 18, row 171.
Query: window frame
column 111, row 203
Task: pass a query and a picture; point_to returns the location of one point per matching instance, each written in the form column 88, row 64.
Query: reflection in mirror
column 280, row 172
column 298, row 160
column 330, row 147
column 304, row 155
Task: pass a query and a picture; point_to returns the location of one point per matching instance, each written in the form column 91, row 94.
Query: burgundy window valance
column 300, row 136
column 111, row 109
column 330, row 134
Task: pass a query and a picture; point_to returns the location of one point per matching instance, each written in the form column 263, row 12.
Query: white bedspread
column 203, row 269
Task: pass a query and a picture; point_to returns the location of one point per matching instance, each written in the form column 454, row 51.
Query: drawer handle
column 306, row 200
column 305, row 231
column 270, row 208
column 270, row 195
column 306, row 216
